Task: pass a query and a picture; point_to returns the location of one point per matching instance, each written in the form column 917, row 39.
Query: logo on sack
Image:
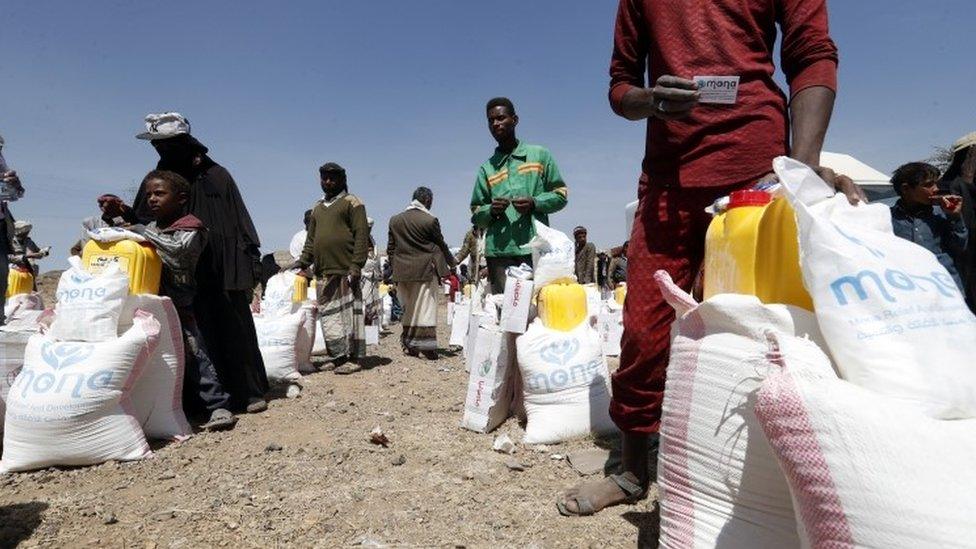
column 80, row 294
column 63, row 355
column 60, row 356
column 485, row 367
column 885, row 283
column 560, row 352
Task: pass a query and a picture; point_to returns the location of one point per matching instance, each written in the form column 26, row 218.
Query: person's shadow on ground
column 648, row 525
column 370, row 362
column 18, row 521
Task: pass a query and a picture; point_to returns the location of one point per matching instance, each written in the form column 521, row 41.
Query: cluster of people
column 696, row 151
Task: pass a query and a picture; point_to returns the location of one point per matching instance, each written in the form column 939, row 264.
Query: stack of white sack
column 883, row 457
column 721, row 484
column 72, row 403
column 901, row 336
column 557, row 381
column 22, row 314
column 286, row 332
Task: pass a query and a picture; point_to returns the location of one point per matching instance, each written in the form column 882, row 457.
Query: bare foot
column 595, row 495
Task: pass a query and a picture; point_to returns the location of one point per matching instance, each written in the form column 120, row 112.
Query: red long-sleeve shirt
column 720, row 144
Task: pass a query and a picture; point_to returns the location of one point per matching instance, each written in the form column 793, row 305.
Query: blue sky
column 394, row 91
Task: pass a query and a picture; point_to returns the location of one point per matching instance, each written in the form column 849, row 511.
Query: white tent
column 861, row 173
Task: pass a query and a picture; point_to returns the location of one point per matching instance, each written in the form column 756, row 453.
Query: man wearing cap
column 10, row 179
column 229, row 268
column 585, row 257
column 715, row 121
column 335, row 250
column 518, row 185
column 960, row 178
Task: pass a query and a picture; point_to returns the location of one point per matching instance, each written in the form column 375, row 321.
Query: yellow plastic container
column 19, row 281
column 562, row 306
column 620, row 293
column 300, row 293
column 384, row 289
column 140, row 261
column 468, row 288
column 752, row 249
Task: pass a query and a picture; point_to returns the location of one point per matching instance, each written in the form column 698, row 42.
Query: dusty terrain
column 305, row 474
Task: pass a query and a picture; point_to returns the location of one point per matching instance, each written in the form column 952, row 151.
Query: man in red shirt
column 701, row 145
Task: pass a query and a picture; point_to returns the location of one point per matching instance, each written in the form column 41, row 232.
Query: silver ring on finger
column 660, row 106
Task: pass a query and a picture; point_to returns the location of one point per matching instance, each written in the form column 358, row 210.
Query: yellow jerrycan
column 19, row 281
column 139, row 260
column 562, row 306
column 300, row 293
column 620, row 293
column 752, row 249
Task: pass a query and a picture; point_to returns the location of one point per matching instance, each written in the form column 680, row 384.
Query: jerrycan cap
column 739, row 199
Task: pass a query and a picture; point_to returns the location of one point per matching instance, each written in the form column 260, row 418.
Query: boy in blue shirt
column 927, row 218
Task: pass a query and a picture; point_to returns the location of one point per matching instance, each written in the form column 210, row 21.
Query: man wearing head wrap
column 585, row 257
column 229, row 268
column 336, row 249
column 25, row 252
column 960, row 179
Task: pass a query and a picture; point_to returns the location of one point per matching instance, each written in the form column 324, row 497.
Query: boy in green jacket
column 519, row 183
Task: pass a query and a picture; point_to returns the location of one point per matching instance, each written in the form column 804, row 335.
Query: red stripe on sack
column 677, row 510
column 786, row 422
column 176, row 334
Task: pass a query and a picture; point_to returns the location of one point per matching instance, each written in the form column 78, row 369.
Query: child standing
column 179, row 239
column 931, row 220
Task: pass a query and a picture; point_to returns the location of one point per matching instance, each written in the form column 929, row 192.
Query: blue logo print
column 63, row 355
column 560, row 352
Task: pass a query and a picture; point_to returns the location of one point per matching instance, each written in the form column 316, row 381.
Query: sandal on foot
column 220, row 419
column 633, row 493
column 348, row 368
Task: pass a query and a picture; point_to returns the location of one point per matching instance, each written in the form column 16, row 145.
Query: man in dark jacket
column 960, row 179
column 420, row 258
column 227, row 270
column 7, row 227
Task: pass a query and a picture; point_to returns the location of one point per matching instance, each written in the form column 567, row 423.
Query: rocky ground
column 305, row 474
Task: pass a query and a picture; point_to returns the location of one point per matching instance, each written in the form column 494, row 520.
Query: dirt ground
column 304, row 474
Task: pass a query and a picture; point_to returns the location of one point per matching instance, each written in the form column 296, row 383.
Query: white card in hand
column 721, row 90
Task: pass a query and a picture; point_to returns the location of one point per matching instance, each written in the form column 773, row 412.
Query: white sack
column 893, row 317
column 610, row 325
column 13, row 343
column 89, row 305
column 721, row 484
column 565, row 383
column 22, row 302
column 70, row 404
column 489, row 395
column 305, row 341
column 278, row 294
column 553, row 256
column 276, row 340
column 864, row 469
column 157, row 396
